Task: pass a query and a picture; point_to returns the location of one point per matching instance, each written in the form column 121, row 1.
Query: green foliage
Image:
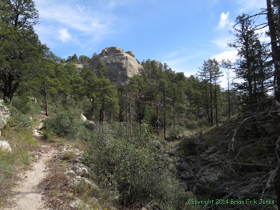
column 25, row 105
column 65, row 124
column 84, row 59
column 102, row 70
column 20, row 47
column 253, row 66
column 18, row 120
column 174, row 132
column 68, row 155
column 134, row 166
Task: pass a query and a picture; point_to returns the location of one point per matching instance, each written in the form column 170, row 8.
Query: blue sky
column 181, row 33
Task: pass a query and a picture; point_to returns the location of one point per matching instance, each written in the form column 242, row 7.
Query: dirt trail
column 28, row 195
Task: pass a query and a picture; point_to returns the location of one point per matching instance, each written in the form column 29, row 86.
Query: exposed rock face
column 157, row 63
column 4, row 115
column 121, row 65
column 79, row 66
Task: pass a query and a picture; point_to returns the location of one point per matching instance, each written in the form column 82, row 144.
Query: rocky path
column 27, row 194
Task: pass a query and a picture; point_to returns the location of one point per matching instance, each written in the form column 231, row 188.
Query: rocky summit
column 121, row 65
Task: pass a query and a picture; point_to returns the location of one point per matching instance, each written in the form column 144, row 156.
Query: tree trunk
column 275, row 51
column 211, row 105
column 129, row 116
column 158, row 117
column 9, row 89
column 46, row 98
column 207, row 105
column 164, row 118
column 228, row 98
column 92, row 108
column 102, row 112
column 216, row 105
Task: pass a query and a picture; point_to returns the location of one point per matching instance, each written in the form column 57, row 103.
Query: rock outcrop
column 121, row 65
column 4, row 115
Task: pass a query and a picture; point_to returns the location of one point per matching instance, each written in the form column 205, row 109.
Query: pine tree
column 106, row 93
column 252, row 65
column 207, row 75
column 20, row 47
column 89, row 78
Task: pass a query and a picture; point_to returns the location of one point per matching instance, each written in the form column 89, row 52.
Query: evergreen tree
column 106, row 93
column 76, row 82
column 207, row 75
column 89, row 78
column 83, row 59
column 252, row 65
column 20, row 47
column 164, row 88
column 273, row 17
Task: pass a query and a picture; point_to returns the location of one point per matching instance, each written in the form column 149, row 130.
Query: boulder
column 33, row 99
column 4, row 115
column 83, row 118
column 70, row 173
column 157, row 63
column 5, row 146
column 79, row 67
column 78, row 203
column 82, row 172
column 88, row 184
column 121, row 65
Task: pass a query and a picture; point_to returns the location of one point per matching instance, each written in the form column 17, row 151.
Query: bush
column 25, row 105
column 65, row 124
column 18, row 120
column 135, row 166
column 176, row 131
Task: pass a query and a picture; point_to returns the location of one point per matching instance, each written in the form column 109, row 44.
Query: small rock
column 78, row 203
column 5, row 146
column 73, row 183
column 82, row 172
column 88, row 184
column 83, row 118
column 70, row 173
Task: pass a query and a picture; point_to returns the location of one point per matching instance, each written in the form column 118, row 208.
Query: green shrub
column 134, row 165
column 176, row 131
column 191, row 124
column 65, row 124
column 68, row 155
column 25, row 105
column 18, row 120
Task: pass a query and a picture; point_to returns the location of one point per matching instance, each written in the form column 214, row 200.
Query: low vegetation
column 131, row 163
column 20, row 138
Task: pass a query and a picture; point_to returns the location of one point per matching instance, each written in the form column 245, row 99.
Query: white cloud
column 222, row 42
column 224, row 20
column 64, row 35
column 226, row 55
column 85, row 21
column 81, row 7
column 264, row 37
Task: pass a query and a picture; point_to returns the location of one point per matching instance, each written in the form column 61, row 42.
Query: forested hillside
column 133, row 127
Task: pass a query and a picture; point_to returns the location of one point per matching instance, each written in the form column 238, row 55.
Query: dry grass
column 12, row 163
column 68, row 155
